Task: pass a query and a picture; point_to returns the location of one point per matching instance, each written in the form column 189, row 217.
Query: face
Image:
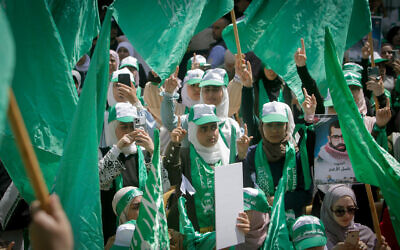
column 336, row 139
column 217, row 28
column 212, row 94
column 274, row 132
column 81, row 61
column 344, row 203
column 387, row 52
column 118, row 98
column 382, row 69
column 132, row 70
column 270, row 74
column 193, row 91
column 207, row 134
column 112, row 64
column 133, row 211
column 122, row 53
column 123, row 128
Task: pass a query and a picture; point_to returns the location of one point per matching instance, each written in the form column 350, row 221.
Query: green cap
column 215, row 77
column 203, row 113
column 274, row 112
column 193, row 76
column 378, row 58
column 123, row 112
column 115, row 74
column 129, row 61
column 352, row 78
column 353, row 67
column 308, row 231
column 199, row 58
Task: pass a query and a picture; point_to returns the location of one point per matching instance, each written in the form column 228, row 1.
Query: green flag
column 44, row 89
column 370, row 162
column 78, row 23
column 161, row 30
column 278, row 232
column 272, row 29
column 193, row 239
column 7, row 60
column 151, row 229
column 78, row 182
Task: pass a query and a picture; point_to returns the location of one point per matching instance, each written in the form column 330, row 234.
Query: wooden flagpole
column 24, row 144
column 235, row 31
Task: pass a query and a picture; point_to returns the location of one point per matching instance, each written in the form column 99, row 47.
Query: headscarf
column 85, row 66
column 212, row 154
column 334, row 231
column 78, row 77
column 275, row 151
column 223, row 107
column 121, row 201
column 186, row 100
column 111, row 138
column 126, row 45
column 110, row 95
column 114, row 54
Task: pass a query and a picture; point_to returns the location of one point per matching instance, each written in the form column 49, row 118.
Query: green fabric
column 78, row 23
column 263, row 97
column 142, row 169
column 381, row 138
column 264, row 177
column 203, row 183
column 151, row 229
column 44, row 89
column 161, row 30
column 255, row 199
column 232, row 148
column 193, row 239
column 265, row 30
column 371, row 163
column 78, row 175
column 7, row 60
column 126, row 198
column 278, row 232
column 304, row 154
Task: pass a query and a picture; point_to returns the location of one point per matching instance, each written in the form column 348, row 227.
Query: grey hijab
column 334, row 232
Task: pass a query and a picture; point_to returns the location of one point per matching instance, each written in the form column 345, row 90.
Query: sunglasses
column 340, row 212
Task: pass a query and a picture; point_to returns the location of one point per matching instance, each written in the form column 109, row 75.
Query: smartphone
column 139, row 123
column 125, row 79
column 373, row 72
column 352, row 237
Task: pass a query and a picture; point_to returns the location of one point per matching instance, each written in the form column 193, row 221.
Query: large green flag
column 370, row 162
column 78, row 23
column 272, row 29
column 278, row 232
column 193, row 239
column 78, row 179
column 7, row 60
column 161, row 30
column 44, row 89
column 151, row 229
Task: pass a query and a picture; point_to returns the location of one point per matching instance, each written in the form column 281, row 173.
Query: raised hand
column 126, row 140
column 300, row 56
column 142, row 138
column 376, row 86
column 129, row 93
column 195, row 64
column 172, row 82
column 309, row 105
column 243, row 144
column 244, row 73
column 178, row 134
column 365, row 51
column 383, row 115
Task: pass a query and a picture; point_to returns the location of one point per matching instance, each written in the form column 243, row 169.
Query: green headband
column 308, row 231
column 126, row 198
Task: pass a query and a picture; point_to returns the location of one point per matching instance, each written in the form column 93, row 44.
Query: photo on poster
column 331, row 160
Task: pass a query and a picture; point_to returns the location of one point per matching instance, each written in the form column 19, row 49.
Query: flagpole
column 28, row 155
column 235, row 31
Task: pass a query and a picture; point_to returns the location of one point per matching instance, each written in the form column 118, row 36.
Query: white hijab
column 212, row 154
column 111, row 138
column 117, row 197
column 85, row 66
column 186, row 100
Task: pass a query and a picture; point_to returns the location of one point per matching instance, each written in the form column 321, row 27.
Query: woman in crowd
column 337, row 214
column 113, row 63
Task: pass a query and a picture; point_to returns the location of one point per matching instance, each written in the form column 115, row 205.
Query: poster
column 331, row 160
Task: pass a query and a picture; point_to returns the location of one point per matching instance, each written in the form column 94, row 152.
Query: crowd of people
column 220, row 108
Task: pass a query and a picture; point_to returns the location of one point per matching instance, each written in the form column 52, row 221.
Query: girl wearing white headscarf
column 124, row 49
column 114, row 62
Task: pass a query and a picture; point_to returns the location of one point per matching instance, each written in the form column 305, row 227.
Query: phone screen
column 352, row 237
column 124, row 79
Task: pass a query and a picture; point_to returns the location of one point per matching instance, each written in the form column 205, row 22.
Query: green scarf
column 263, row 96
column 303, row 153
column 203, row 181
column 381, row 138
column 264, row 177
column 142, row 172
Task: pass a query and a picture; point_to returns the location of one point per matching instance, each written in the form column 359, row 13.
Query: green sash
column 303, row 154
column 381, row 138
column 264, row 177
column 142, row 172
column 263, row 96
column 203, row 181
column 232, row 148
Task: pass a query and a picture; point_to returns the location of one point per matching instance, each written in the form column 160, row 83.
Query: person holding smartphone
column 337, row 214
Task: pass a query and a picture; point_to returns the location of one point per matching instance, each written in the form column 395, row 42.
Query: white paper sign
column 228, row 204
